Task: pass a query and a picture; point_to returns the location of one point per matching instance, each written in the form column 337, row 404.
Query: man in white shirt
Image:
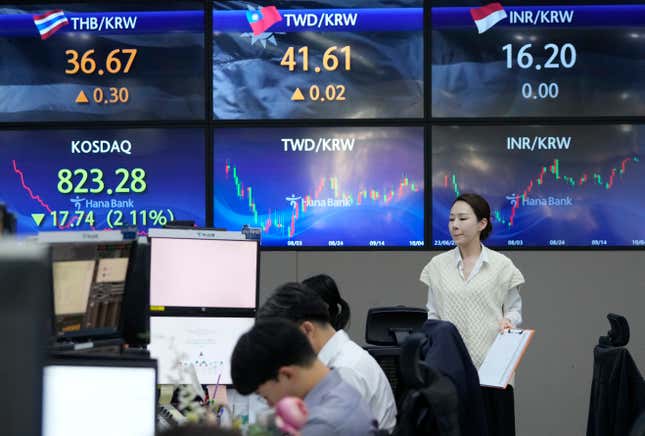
column 296, row 302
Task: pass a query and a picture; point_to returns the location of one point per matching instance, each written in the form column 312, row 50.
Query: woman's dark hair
column 295, row 302
column 482, row 210
column 325, row 286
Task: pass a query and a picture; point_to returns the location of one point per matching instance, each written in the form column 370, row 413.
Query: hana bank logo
column 262, row 19
column 293, row 200
column 513, row 199
column 487, row 16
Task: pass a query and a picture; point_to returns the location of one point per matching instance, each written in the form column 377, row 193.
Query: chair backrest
column 388, row 359
column 617, row 389
column 618, row 335
column 390, row 325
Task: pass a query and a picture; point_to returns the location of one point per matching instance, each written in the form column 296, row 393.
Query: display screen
column 322, row 187
column 66, row 413
column 512, row 60
column 204, row 273
column 205, row 343
column 99, row 179
column 89, row 284
column 318, row 59
column 548, row 186
column 102, row 61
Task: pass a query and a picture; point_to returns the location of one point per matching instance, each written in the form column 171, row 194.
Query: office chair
column 618, row 388
column 385, row 330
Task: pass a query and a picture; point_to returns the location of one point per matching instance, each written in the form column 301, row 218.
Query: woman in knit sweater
column 476, row 289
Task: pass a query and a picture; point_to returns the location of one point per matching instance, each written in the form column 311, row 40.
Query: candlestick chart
column 322, row 187
column 548, row 186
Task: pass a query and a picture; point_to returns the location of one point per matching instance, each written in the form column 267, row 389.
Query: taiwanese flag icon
column 487, row 16
column 261, row 20
column 49, row 22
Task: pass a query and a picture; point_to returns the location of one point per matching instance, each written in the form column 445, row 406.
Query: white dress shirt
column 360, row 370
column 512, row 302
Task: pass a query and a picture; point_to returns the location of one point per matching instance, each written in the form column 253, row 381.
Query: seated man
column 275, row 360
column 297, row 303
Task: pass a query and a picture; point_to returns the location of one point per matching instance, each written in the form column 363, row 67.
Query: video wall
column 327, row 125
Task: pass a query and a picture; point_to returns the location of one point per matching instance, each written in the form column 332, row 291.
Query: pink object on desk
column 291, row 415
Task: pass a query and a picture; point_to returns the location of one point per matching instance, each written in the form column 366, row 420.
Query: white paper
column 503, row 357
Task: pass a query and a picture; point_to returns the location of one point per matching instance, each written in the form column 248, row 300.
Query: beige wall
column 566, row 299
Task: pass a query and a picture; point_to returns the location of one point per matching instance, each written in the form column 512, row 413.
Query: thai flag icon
column 487, row 16
column 261, row 20
column 49, row 22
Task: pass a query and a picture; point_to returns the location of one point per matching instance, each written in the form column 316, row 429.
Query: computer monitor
column 203, row 342
column 25, row 278
column 89, row 270
column 197, row 270
column 99, row 397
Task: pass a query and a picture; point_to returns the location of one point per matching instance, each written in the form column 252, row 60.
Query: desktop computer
column 203, row 297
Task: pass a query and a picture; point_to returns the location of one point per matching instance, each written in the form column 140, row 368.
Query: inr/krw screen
column 534, row 59
column 548, row 186
column 322, row 187
column 310, row 59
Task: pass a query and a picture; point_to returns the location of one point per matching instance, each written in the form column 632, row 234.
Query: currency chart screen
column 102, row 179
column 318, row 59
column 92, row 61
column 322, row 187
column 509, row 59
column 548, row 186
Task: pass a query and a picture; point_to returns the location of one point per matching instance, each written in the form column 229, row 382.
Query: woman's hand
column 505, row 324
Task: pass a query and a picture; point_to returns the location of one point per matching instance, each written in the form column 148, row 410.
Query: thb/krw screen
column 102, row 61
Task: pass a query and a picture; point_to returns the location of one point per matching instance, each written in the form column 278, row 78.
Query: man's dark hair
column 262, row 351
column 295, row 302
column 325, row 286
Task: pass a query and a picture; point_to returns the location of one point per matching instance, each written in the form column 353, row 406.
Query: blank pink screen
column 203, row 273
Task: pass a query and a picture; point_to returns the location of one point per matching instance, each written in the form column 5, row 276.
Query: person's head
column 325, row 286
column 469, row 219
column 273, row 359
column 299, row 304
